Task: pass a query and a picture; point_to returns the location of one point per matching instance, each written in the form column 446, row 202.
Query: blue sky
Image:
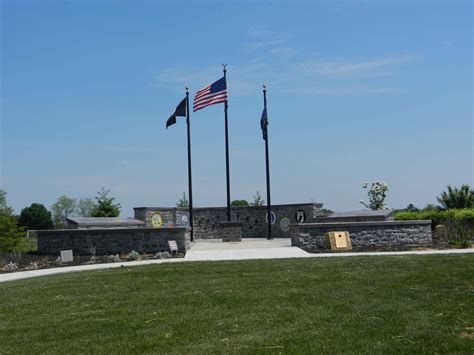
column 357, row 91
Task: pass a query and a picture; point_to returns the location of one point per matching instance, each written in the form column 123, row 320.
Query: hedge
column 438, row 216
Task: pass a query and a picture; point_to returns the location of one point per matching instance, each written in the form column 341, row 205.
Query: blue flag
column 264, row 123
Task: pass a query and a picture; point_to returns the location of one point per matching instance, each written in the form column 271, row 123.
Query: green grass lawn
column 398, row 304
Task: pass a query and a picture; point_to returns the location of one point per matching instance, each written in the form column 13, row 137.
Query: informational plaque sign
column 341, row 240
column 173, row 246
column 66, row 256
column 338, row 241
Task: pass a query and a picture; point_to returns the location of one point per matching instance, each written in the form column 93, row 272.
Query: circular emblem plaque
column 300, row 216
column 274, row 217
column 156, row 220
column 285, row 224
column 184, row 219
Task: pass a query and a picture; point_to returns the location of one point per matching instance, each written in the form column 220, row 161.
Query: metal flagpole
column 190, row 179
column 269, row 204
column 227, row 150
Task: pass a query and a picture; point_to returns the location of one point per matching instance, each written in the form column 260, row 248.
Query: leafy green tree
column 11, row 236
column 105, row 206
column 62, row 209
column 411, row 208
column 3, row 203
column 183, row 201
column 457, row 198
column 240, row 203
column 257, row 200
column 85, row 207
column 430, row 207
column 36, row 217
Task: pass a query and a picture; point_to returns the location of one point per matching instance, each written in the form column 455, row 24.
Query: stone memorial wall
column 381, row 235
column 253, row 218
column 110, row 241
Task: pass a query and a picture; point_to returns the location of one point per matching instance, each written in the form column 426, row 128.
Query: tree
column 457, row 198
column 11, row 236
column 377, row 195
column 85, row 207
column 243, row 203
column 430, row 207
column 257, row 200
column 411, row 208
column 3, row 203
column 62, row 209
column 105, row 206
column 183, row 201
column 36, row 217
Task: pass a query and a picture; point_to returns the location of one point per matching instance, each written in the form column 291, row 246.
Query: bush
column 462, row 244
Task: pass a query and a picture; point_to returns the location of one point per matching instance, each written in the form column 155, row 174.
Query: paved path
column 215, row 250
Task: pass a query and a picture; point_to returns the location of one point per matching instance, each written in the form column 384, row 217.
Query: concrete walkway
column 216, row 250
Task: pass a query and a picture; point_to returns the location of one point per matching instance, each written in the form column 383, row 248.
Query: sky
column 358, row 91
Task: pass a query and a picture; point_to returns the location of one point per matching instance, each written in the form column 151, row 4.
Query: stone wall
column 386, row 235
column 110, row 241
column 254, row 225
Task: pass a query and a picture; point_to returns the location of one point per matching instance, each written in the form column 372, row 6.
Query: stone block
column 230, row 231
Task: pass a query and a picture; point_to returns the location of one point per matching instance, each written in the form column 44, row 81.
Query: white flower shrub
column 377, row 195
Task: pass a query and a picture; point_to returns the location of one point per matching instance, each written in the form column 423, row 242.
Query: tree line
column 37, row 216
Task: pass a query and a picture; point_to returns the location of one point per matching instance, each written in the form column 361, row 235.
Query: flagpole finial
column 264, row 87
column 187, row 90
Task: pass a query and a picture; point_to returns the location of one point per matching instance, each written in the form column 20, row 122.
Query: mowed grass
column 398, row 304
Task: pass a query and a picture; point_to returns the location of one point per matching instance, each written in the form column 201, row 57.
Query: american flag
column 210, row 95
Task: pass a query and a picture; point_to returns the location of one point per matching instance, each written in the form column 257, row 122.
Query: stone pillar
column 230, row 231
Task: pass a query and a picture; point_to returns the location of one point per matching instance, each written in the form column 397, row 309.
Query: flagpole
column 227, row 150
column 190, row 179
column 267, row 160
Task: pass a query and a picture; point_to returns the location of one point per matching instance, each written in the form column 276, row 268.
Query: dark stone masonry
column 110, row 241
column 364, row 236
column 230, row 231
column 254, row 225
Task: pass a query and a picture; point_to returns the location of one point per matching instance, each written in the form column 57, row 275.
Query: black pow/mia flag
column 180, row 111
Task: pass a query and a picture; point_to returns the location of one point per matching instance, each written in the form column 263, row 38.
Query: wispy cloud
column 264, row 38
column 272, row 60
column 339, row 68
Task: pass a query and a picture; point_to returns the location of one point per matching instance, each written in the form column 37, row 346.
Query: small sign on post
column 66, row 256
column 173, row 246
